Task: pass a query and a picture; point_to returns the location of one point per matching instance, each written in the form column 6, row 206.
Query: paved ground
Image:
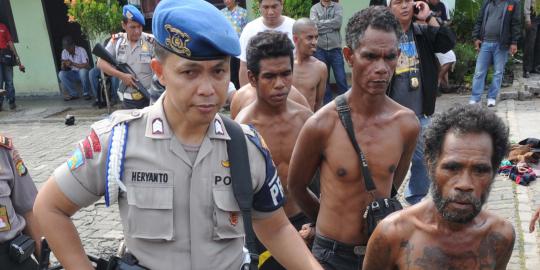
column 45, row 142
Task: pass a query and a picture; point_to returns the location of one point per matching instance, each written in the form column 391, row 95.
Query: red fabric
column 5, row 36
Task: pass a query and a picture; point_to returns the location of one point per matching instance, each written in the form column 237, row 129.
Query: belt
column 338, row 246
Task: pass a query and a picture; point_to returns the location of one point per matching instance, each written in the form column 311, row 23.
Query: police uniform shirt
column 138, row 57
column 17, row 191
column 176, row 214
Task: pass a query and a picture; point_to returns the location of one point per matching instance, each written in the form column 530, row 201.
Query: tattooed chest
column 434, row 257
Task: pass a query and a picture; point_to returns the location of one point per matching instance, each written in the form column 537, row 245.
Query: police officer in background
column 17, row 222
column 167, row 165
column 135, row 48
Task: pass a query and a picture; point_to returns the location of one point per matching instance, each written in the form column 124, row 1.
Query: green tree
column 96, row 17
column 292, row 8
column 464, row 18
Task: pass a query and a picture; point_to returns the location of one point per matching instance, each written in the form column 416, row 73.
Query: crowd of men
column 295, row 181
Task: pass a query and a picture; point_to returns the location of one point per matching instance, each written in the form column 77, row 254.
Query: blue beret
column 194, row 29
column 131, row 12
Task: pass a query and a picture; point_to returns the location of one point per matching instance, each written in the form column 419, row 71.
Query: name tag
column 148, row 177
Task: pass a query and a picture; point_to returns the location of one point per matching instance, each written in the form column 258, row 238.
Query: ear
column 348, row 54
column 157, row 68
column 295, row 38
column 252, row 79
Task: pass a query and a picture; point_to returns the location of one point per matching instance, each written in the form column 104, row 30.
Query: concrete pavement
column 45, row 142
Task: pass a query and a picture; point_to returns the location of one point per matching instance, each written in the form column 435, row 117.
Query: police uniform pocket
column 228, row 221
column 145, row 58
column 150, row 213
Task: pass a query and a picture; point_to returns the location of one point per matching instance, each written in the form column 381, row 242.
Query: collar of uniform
column 157, row 126
column 217, row 129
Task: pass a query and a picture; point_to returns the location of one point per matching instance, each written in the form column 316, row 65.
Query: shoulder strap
column 344, row 112
column 241, row 182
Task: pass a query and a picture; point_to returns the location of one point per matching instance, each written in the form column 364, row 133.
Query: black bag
column 7, row 57
column 21, row 248
column 379, row 208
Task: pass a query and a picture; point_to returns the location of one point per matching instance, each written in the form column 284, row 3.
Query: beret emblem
column 177, row 40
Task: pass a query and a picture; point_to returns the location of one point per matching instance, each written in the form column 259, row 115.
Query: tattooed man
column 463, row 148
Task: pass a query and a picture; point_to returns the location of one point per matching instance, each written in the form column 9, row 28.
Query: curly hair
column 378, row 17
column 464, row 119
column 268, row 44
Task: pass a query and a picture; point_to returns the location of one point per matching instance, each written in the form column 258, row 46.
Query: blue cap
column 132, row 13
column 194, row 29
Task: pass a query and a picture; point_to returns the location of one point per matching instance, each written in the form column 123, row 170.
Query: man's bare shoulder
column 405, row 116
column 298, row 110
column 498, row 225
column 319, row 64
column 323, row 121
column 246, row 114
column 243, row 97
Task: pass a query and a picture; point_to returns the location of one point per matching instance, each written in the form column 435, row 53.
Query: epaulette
column 149, row 38
column 117, row 36
column 117, row 117
column 6, row 142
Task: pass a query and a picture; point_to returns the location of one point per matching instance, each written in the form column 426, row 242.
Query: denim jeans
column 490, row 53
column 68, row 78
column 334, row 255
column 6, row 82
column 94, row 75
column 333, row 60
column 419, row 181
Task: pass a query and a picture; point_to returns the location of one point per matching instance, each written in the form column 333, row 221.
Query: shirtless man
column 310, row 74
column 247, row 94
column 464, row 147
column 385, row 130
column 277, row 118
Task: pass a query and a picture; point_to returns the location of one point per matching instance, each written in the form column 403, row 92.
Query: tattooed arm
column 380, row 253
column 506, row 246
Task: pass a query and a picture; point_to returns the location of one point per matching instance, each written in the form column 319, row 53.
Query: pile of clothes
column 521, row 159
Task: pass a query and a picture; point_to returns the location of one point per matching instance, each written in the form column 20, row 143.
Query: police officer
column 17, row 195
column 167, row 165
column 135, row 48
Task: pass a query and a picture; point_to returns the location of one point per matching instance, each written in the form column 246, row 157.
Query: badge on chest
column 4, row 219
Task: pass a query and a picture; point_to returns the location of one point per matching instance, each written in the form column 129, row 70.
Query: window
column 6, row 17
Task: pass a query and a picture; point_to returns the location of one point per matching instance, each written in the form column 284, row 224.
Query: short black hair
column 466, row 119
column 268, row 44
column 378, row 17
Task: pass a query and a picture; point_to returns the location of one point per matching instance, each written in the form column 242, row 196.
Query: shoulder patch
column 117, row 117
column 271, row 196
column 6, row 142
column 247, row 130
column 19, row 164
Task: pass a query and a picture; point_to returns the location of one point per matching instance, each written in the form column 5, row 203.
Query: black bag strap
column 344, row 112
column 241, row 182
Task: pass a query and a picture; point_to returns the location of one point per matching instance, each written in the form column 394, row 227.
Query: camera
column 416, row 10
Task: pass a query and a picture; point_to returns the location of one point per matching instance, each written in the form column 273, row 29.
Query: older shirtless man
column 385, row 130
column 277, row 118
column 310, row 74
column 464, row 147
